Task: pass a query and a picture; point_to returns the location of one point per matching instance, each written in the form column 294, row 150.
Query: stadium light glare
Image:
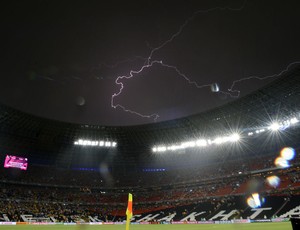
column 274, row 127
column 161, row 149
column 218, row 140
column 201, row 143
column 198, row 143
column 83, row 142
column 294, row 120
column 234, row 137
column 107, row 144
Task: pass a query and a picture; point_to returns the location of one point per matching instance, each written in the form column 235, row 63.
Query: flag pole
column 129, row 211
column 127, row 222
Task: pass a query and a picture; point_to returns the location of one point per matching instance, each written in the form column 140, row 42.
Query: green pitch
column 254, row 226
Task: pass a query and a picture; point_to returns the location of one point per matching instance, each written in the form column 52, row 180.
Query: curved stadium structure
column 187, row 169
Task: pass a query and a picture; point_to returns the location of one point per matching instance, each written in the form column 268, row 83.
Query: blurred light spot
column 281, row 162
column 255, row 201
column 287, row 153
column 274, row 127
column 80, row 101
column 273, row 181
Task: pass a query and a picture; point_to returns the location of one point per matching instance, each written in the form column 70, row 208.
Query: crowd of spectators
column 67, row 194
column 97, row 178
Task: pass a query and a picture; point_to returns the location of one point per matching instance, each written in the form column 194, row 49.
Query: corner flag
column 129, row 211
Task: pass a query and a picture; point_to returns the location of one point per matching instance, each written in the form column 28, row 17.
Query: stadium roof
column 44, row 138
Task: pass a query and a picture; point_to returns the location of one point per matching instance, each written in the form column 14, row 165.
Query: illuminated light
column 287, row 153
column 281, row 162
column 274, row 126
column 94, row 143
column 234, row 137
column 214, row 87
column 154, row 149
column 219, row 140
column 184, row 144
column 161, row 149
column 201, row 143
column 192, row 144
column 258, row 131
column 255, row 201
column 273, row 181
column 83, row 142
column 189, row 144
column 174, row 147
column 250, row 134
column 294, row 120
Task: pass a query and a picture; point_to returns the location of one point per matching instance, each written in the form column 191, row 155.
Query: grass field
column 254, row 226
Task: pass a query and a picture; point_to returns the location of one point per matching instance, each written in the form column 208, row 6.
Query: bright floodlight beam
column 83, row 142
column 274, row 126
column 235, row 137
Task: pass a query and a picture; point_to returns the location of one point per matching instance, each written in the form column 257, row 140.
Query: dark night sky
column 60, row 59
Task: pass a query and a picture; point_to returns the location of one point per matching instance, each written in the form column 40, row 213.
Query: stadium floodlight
column 161, row 149
column 188, row 144
column 294, row 120
column 274, row 127
column 219, row 140
column 198, row 143
column 173, row 147
column 83, row 142
column 107, row 144
column 234, row 137
column 201, row 143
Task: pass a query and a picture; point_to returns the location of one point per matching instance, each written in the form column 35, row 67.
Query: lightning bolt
column 135, row 72
column 237, row 92
column 149, row 62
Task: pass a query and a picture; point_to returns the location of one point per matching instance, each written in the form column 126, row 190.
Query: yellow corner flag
column 129, row 211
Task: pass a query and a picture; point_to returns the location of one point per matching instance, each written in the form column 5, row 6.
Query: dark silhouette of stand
column 295, row 223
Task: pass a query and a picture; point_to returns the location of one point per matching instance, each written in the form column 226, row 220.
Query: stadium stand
column 68, row 182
